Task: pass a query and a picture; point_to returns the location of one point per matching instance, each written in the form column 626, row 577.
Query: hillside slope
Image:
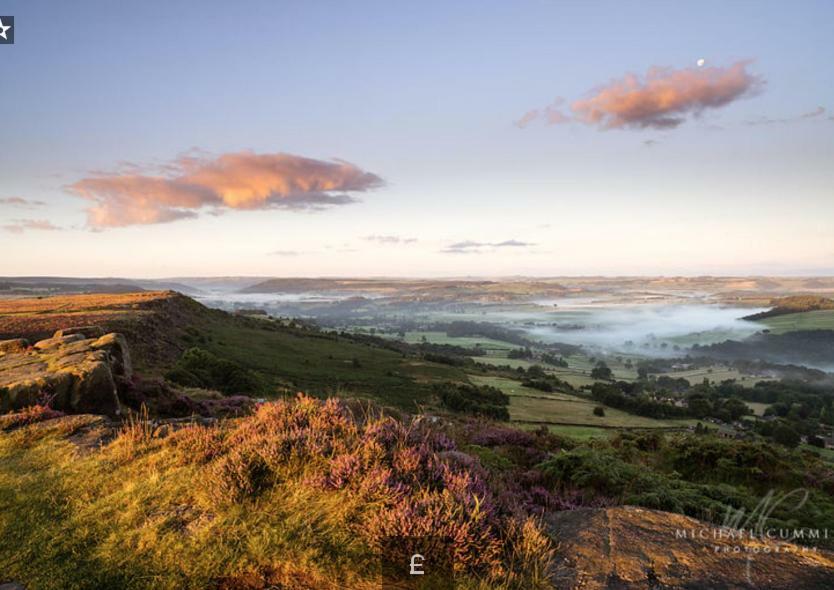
column 161, row 325
column 793, row 304
column 306, row 494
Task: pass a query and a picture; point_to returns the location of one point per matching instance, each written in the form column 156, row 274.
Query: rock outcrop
column 77, row 370
column 628, row 547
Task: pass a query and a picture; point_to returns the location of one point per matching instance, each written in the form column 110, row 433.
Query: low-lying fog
column 646, row 328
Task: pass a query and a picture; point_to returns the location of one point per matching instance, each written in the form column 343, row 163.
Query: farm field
column 717, row 374
column 533, row 406
column 577, row 373
column 579, row 412
column 487, row 344
column 758, row 408
column 581, row 433
column 808, row 320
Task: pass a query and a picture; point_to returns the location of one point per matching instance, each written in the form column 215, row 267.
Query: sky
column 482, row 138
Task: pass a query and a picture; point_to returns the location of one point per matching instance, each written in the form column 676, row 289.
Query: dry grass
column 301, row 494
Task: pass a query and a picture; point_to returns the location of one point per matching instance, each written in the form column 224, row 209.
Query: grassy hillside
column 794, row 304
column 301, row 360
column 161, row 326
column 302, row 495
column 809, row 320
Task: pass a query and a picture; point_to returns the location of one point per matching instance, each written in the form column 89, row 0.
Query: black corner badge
column 6, row 30
column 417, row 563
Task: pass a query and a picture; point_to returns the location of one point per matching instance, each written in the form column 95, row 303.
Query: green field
column 578, row 372
column 808, row 320
column 533, row 406
column 581, row 433
column 758, row 408
column 487, row 344
column 716, row 374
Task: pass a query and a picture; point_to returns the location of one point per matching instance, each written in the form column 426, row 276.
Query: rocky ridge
column 76, row 370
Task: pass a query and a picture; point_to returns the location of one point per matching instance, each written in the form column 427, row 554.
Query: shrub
column 199, row 368
column 237, row 475
column 28, row 415
column 785, row 435
column 197, row 444
column 485, row 401
column 599, row 411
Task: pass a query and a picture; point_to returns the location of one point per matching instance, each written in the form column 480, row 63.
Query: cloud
column 817, row 112
column 512, row 244
column 527, row 118
column 18, row 226
column 21, row 202
column 663, row 99
column 241, row 180
column 389, row 239
column 553, row 116
column 473, row 247
column 285, row 253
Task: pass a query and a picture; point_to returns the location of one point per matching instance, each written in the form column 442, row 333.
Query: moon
column 701, row 62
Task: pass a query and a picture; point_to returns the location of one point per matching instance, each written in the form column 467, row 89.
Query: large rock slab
column 626, row 547
column 77, row 370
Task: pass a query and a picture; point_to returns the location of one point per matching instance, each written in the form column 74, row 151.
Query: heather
column 302, row 493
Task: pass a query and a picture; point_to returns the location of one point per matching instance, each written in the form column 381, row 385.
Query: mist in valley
column 647, row 329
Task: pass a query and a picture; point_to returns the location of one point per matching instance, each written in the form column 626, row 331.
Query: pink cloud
column 527, row 118
column 242, row 180
column 663, row 99
column 18, row 226
column 554, row 116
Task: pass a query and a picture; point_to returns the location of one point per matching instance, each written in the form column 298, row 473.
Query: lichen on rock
column 76, row 370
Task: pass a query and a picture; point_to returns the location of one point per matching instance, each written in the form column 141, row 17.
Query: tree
column 785, row 435
column 700, row 407
column 602, row 372
column 599, row 411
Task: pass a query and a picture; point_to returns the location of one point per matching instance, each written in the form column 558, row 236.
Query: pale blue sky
column 424, row 95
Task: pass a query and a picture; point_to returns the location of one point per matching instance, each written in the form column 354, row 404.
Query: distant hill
column 793, row 304
column 67, row 285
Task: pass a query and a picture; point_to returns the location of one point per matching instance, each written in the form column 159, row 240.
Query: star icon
column 3, row 29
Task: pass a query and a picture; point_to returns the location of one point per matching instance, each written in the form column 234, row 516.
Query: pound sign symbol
column 416, row 568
